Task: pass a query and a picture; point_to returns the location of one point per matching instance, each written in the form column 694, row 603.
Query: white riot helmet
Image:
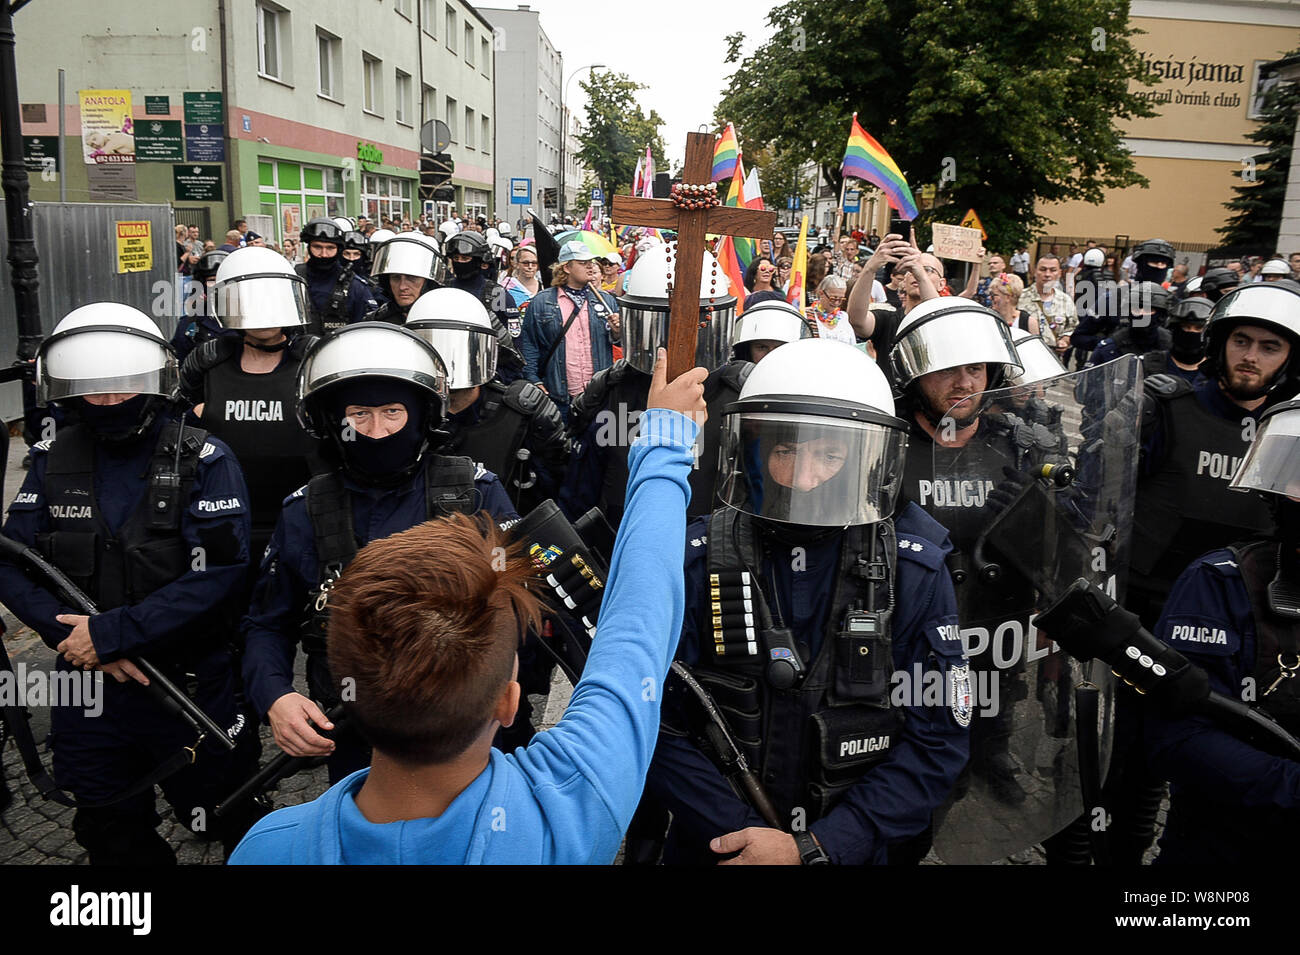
column 644, row 307
column 379, row 237
column 102, row 349
column 449, row 228
column 771, row 322
column 257, row 288
column 1038, row 361
column 407, row 254
column 1277, row 267
column 1273, row 306
column 813, row 440
column 504, row 228
column 458, row 327
column 1094, row 258
column 1272, row 464
column 949, row 332
column 344, row 223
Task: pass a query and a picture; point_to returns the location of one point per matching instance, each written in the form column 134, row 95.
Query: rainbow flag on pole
column 725, row 154
column 795, row 293
column 732, row 269
column 864, row 158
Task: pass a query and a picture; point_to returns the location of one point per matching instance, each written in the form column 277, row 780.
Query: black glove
column 1001, row 497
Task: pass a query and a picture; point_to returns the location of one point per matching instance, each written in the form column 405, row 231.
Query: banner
column 159, row 140
column 107, row 131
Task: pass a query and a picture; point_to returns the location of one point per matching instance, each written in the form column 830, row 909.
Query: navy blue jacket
column 119, row 488
column 1209, row 620
column 290, row 570
column 895, row 799
column 361, row 294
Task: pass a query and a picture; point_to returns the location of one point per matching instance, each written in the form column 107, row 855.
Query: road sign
column 434, row 136
column 852, row 200
column 597, row 197
column 521, row 192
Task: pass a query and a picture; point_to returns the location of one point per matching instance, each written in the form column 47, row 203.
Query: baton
column 282, row 766
column 171, row 697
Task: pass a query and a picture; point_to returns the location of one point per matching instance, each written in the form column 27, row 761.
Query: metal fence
column 78, row 250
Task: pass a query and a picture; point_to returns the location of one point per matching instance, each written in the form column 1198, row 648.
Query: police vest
column 621, row 395
column 1186, row 509
column 1277, row 638
column 1155, row 355
column 448, row 489
column 334, row 315
column 149, row 550
column 496, row 439
column 812, row 742
column 255, row 415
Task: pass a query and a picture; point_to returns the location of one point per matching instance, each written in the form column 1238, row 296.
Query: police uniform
column 337, row 296
column 84, row 506
column 603, row 421
column 1154, row 349
column 506, row 317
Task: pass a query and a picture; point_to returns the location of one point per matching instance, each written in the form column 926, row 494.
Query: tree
column 1002, row 104
column 780, row 174
column 1257, row 206
column 617, row 131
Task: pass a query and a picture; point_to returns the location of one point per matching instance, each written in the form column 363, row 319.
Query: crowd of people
column 351, row 443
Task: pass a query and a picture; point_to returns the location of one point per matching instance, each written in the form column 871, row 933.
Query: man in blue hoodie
column 430, row 645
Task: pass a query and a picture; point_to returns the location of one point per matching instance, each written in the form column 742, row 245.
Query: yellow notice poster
column 107, row 132
column 134, row 247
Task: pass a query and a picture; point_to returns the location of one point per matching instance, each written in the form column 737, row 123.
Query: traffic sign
column 521, row 192
column 597, row 197
column 852, row 200
column 434, row 136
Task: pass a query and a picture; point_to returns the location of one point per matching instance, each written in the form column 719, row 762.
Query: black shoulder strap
column 1258, row 563
column 338, row 295
column 449, row 486
column 329, row 507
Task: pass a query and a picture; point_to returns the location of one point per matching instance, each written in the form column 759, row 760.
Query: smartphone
column 900, row 226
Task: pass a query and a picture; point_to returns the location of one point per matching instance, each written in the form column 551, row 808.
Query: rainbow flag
column 726, row 155
column 795, row 292
column 732, row 268
column 864, row 158
column 743, row 248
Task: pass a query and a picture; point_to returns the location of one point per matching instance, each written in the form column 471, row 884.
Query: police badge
column 960, row 694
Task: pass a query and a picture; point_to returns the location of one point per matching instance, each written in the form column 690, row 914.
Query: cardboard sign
column 957, row 242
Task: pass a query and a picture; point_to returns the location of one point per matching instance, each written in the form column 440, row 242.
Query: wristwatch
column 810, row 851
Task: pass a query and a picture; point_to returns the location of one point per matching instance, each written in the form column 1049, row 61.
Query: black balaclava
column 1189, row 346
column 466, row 270
column 388, row 461
column 119, row 423
column 1145, row 273
column 320, row 264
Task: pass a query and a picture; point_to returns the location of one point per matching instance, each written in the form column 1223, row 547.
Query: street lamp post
column 564, row 128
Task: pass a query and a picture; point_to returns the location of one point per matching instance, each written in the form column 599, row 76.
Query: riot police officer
column 1142, row 331
column 803, row 593
column 150, row 518
column 199, row 323
column 375, row 394
column 469, row 259
column 1218, row 282
column 356, row 250
column 765, row 327
column 242, row 388
column 1152, row 259
column 404, row 268
column 1187, row 336
column 513, row 430
column 1234, row 613
column 337, row 296
column 1094, row 300
column 602, row 419
column 1193, row 437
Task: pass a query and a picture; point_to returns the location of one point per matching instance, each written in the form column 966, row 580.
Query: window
column 428, row 15
column 469, row 44
column 428, row 104
column 402, row 107
column 469, row 128
column 450, row 35
column 485, row 135
column 450, row 118
column 403, row 7
column 485, row 56
column 328, row 50
column 271, row 23
column 372, row 102
column 385, row 197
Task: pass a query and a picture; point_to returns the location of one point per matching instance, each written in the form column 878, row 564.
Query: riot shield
column 1035, row 484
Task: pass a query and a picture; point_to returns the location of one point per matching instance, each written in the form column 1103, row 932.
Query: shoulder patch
column 959, row 694
column 300, row 493
column 43, row 445
column 481, row 473
column 208, row 450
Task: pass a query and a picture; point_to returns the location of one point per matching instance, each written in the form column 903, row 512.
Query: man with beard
column 1193, row 438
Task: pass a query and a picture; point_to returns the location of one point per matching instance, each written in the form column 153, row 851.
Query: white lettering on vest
column 248, row 409
column 867, row 744
column 227, row 504
column 1200, row 635
column 27, row 497
column 1222, row 466
column 71, row 510
column 954, row 493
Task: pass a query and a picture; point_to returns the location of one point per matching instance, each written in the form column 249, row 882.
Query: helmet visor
column 810, row 470
column 405, row 257
column 104, row 362
column 260, row 301
column 951, row 340
column 645, row 331
column 1039, row 362
column 1273, row 462
column 371, row 349
column 470, row 355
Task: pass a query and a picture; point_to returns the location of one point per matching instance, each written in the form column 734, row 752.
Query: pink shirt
column 577, row 346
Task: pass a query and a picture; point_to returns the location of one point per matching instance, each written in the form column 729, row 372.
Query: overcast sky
column 644, row 40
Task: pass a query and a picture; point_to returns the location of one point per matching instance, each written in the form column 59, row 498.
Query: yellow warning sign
column 972, row 221
column 134, row 247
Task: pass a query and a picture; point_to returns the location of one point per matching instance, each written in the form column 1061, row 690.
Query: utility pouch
column 862, row 652
column 73, row 552
column 846, row 742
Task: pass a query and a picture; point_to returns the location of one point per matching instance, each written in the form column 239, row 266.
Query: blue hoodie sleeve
column 588, row 772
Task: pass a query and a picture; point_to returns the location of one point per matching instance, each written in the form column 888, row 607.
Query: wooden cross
column 691, row 226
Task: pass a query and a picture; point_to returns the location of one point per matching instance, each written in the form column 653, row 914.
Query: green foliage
column 1257, row 206
column 1003, row 104
column 617, row 131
